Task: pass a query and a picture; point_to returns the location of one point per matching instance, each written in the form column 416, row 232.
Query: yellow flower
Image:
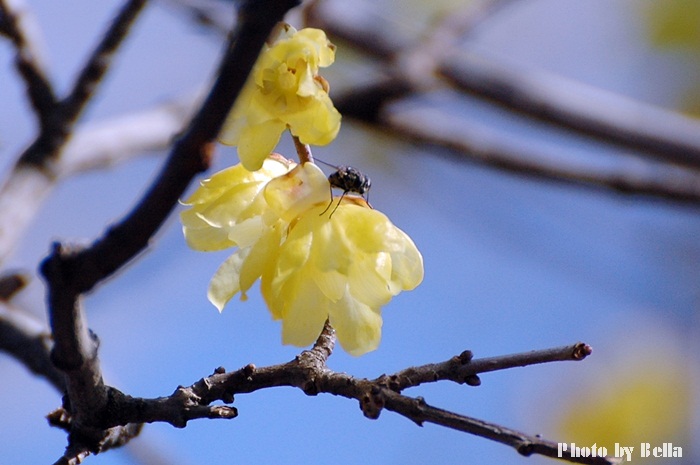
column 229, row 210
column 343, row 267
column 284, row 90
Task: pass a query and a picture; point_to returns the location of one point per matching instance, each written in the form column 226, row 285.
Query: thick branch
column 70, row 273
column 190, row 155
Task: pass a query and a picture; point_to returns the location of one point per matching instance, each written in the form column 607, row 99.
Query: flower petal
column 359, row 327
column 305, row 315
column 226, row 281
column 292, row 194
column 257, row 142
column 263, row 252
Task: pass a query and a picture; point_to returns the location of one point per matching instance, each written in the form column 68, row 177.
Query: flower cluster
column 284, row 91
column 315, row 263
column 312, row 267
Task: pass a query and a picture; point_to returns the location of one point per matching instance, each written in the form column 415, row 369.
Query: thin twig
column 419, row 411
column 463, row 369
column 211, row 14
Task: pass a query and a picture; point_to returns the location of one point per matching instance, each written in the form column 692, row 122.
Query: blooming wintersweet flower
column 229, row 210
column 284, row 91
column 313, row 266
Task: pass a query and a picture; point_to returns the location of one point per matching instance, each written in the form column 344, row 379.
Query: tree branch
column 309, row 372
column 661, row 134
column 470, row 141
column 33, row 176
column 106, row 143
column 13, row 24
column 71, row 272
column 463, row 369
column 59, row 123
column 410, row 68
column 29, row 341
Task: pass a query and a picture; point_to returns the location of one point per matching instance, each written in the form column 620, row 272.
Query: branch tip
column 581, row 351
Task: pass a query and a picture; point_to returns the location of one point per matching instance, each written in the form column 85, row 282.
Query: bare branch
column 420, row 412
column 410, row 68
column 93, row 146
column 60, row 122
column 665, row 135
column 473, row 142
column 14, row 23
column 212, row 14
column 309, row 373
column 69, row 273
column 464, row 369
column 100, row 60
column 28, row 340
column 106, row 143
column 10, row 284
column 409, row 64
column 24, row 190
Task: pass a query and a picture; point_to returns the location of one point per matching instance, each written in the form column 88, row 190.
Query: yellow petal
column 317, row 123
column 263, row 252
column 407, row 264
column 305, row 315
column 368, row 279
column 358, row 327
column 291, row 194
column 226, row 281
column 257, row 142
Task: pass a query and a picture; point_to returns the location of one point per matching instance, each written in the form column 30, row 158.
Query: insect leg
column 329, row 204
column 336, row 207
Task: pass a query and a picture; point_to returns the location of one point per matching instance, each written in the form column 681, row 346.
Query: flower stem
column 303, row 150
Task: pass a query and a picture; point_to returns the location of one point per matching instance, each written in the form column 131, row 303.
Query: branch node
column 526, row 449
column 372, row 402
column 219, row 371
column 11, row 284
column 60, row 418
column 224, row 411
column 473, row 380
column 249, row 371
column 310, row 387
column 465, row 357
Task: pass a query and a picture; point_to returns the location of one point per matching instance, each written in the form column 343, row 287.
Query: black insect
column 348, row 179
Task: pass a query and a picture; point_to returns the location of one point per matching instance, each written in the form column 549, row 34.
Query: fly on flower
column 348, row 179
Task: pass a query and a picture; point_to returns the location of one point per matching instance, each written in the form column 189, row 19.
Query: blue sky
column 512, row 264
